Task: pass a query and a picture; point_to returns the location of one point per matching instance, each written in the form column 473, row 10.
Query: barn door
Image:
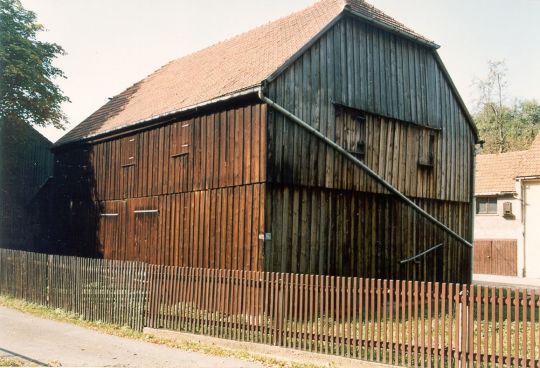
column 142, row 232
column 111, row 231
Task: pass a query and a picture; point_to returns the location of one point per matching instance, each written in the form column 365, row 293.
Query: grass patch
column 127, row 332
column 12, row 362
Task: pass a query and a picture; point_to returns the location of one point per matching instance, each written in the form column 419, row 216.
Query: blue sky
column 113, row 44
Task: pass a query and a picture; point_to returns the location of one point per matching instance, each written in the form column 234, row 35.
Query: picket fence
column 391, row 321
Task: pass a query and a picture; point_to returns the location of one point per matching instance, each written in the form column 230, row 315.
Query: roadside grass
column 124, row 331
column 11, row 362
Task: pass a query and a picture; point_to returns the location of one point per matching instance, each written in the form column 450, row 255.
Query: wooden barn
column 331, row 141
column 26, row 165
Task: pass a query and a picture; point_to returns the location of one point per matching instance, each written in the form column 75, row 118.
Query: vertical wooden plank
column 422, row 336
column 429, row 320
column 508, row 326
column 524, row 314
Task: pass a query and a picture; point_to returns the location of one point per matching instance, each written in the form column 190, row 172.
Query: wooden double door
column 128, row 229
column 495, row 257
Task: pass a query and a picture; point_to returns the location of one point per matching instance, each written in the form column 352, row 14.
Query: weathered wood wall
column 215, row 228
column 360, row 66
column 25, row 164
column 355, row 228
column 204, row 176
column 337, row 232
column 217, row 181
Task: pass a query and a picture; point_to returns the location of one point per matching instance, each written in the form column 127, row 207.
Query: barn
column 331, row 141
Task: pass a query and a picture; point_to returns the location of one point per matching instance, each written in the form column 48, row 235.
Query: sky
column 112, row 44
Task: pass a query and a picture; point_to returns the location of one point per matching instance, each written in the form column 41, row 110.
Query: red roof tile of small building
column 530, row 165
column 226, row 68
column 496, row 173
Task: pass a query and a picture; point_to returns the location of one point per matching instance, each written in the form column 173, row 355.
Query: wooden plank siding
column 350, row 233
column 216, row 228
column 397, row 82
column 327, row 216
column 224, row 149
column 190, row 193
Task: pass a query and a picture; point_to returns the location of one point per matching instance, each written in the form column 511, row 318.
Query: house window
column 351, row 131
column 128, row 151
column 486, row 205
column 426, row 150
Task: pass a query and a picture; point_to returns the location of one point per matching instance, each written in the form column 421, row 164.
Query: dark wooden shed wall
column 25, row 164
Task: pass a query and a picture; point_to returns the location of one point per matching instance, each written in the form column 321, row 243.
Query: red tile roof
column 497, row 173
column 530, row 165
column 226, row 68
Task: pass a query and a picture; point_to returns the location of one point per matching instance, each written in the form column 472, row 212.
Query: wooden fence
column 398, row 322
column 96, row 289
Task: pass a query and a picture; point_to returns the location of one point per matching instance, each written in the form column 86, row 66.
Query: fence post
column 48, row 292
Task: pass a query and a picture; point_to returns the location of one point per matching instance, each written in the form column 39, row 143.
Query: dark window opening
column 426, row 150
column 351, row 131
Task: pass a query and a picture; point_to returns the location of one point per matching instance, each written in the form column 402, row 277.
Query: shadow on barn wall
column 74, row 204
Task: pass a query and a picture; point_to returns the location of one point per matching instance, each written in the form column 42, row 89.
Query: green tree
column 524, row 125
column 27, row 89
column 493, row 116
column 501, row 126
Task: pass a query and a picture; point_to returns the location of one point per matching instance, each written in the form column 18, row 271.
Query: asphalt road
column 44, row 342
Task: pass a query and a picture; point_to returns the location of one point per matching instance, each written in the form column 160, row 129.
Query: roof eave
column 160, row 119
column 495, row 193
column 460, row 101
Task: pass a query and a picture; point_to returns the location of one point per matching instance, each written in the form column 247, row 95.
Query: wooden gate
column 495, row 257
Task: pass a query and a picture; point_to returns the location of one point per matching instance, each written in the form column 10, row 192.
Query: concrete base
column 270, row 351
column 506, row 281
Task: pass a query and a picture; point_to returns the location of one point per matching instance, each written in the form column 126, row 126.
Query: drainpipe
column 473, row 210
column 366, row 168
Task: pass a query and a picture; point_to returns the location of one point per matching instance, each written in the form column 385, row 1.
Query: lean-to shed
column 308, row 144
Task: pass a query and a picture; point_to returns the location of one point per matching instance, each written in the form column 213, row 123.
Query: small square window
column 486, row 205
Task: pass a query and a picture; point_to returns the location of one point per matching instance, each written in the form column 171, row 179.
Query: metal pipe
column 421, row 254
column 366, row 168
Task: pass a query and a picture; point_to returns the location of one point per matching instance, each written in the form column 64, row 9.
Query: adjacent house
column 506, row 230
column 292, row 147
column 26, row 164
